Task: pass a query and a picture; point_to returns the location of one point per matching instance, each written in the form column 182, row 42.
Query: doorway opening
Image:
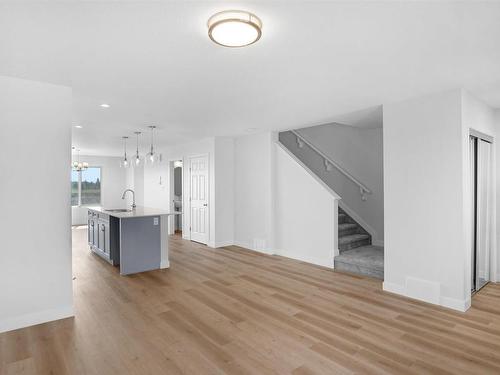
column 176, row 196
column 482, row 189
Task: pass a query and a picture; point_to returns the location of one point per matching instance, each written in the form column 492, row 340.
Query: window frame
column 80, row 187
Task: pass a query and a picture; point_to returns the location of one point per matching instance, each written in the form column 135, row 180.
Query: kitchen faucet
column 133, row 197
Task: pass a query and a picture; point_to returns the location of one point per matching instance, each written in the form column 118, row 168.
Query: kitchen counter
column 139, row 211
column 135, row 240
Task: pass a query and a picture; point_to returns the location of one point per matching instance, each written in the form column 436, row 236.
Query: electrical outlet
column 156, row 221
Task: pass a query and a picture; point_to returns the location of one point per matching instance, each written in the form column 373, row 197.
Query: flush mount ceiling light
column 234, row 28
column 105, row 105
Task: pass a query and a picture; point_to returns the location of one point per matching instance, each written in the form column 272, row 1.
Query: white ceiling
column 154, row 64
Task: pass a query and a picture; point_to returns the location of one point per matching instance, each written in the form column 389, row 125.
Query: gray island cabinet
column 136, row 240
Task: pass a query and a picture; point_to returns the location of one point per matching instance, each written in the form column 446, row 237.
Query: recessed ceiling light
column 78, row 126
column 234, row 28
column 104, row 105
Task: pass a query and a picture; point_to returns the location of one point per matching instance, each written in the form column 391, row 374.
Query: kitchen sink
column 118, row 210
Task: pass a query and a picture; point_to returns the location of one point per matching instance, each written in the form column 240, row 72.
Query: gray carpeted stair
column 357, row 255
column 351, row 234
column 365, row 260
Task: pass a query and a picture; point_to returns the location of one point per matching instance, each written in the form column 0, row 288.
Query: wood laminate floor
column 232, row 311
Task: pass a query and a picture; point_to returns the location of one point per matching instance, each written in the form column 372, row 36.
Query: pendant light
column 152, row 156
column 77, row 165
column 137, row 158
column 124, row 162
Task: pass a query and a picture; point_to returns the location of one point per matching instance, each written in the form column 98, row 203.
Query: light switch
column 156, row 221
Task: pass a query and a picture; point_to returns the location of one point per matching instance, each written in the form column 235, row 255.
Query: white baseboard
column 165, row 264
column 319, row 262
column 35, row 318
column 378, row 243
column 393, row 288
column 224, row 243
column 455, row 304
column 433, row 296
column 249, row 246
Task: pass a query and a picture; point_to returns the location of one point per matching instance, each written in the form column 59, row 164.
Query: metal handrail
column 363, row 189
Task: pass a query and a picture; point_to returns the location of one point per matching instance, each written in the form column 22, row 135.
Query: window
column 75, row 176
column 86, row 187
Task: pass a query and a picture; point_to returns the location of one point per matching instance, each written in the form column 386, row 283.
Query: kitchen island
column 134, row 239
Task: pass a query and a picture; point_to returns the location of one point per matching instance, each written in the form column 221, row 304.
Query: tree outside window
column 86, row 187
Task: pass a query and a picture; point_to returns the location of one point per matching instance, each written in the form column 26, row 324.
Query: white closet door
column 484, row 212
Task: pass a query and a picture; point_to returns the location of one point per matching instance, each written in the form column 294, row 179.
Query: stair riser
column 346, row 232
column 353, row 245
column 359, row 270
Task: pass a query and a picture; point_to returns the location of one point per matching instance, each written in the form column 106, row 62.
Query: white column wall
column 35, row 256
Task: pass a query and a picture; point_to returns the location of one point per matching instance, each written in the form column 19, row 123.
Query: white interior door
column 198, row 210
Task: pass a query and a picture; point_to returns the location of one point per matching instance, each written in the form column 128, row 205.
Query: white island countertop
column 139, row 211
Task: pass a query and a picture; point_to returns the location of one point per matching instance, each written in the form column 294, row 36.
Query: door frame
column 171, row 180
column 473, row 214
column 187, row 193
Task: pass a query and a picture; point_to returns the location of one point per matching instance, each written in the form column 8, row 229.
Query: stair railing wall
column 330, row 164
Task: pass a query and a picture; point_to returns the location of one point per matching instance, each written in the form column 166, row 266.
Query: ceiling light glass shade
column 137, row 161
column 124, row 163
column 234, row 28
column 152, row 157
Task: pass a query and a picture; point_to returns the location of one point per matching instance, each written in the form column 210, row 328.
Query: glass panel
column 74, row 188
column 91, row 186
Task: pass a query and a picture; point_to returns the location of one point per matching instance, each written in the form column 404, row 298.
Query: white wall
column 224, row 191
column 360, row 152
column 35, row 256
column 114, row 180
column 280, row 206
column 305, row 217
column 252, row 191
column 426, row 245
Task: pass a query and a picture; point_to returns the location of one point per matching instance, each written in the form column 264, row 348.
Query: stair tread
column 366, row 256
column 365, row 260
column 353, row 238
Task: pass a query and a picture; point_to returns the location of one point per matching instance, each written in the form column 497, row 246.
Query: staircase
column 357, row 255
